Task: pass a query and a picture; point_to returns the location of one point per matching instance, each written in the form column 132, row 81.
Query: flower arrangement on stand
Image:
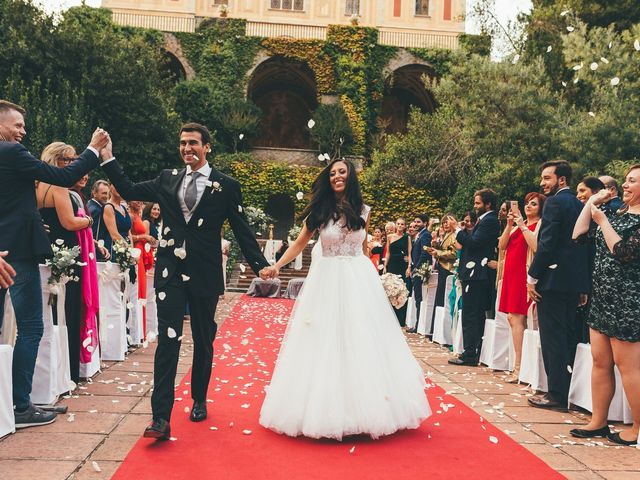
column 124, row 255
column 257, row 219
column 62, row 268
column 395, row 289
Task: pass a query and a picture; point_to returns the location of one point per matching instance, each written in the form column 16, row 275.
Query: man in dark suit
column 419, row 256
column 611, row 206
column 95, row 205
column 195, row 202
column 23, row 236
column 557, row 277
column 478, row 248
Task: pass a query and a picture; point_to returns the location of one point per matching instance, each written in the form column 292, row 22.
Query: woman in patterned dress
column 614, row 320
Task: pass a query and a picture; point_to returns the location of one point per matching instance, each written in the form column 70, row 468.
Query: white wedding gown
column 344, row 367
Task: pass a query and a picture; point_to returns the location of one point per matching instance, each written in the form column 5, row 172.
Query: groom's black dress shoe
column 159, row 429
column 547, row 402
column 471, row 362
column 582, row 433
column 198, row 412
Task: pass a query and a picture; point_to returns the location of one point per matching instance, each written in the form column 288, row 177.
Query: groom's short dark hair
column 196, row 127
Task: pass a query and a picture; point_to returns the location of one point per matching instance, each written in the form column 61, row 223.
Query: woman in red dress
column 519, row 239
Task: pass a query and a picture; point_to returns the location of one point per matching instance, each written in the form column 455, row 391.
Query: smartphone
column 514, row 205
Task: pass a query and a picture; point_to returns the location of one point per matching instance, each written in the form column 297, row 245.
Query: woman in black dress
column 58, row 211
column 397, row 261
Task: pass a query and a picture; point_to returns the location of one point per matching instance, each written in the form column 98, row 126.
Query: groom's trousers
column 203, row 328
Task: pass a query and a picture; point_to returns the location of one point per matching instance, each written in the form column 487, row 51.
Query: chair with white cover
column 152, row 308
column 7, row 419
column 8, row 329
column 135, row 315
column 113, row 329
column 458, row 338
column 442, row 321
column 580, row 388
column 427, row 305
column 497, row 351
column 411, row 313
column 52, row 375
column 532, row 365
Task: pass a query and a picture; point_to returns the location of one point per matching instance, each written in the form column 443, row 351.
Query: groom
column 195, row 202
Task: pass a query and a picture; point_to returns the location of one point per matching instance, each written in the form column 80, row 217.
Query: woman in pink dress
column 519, row 239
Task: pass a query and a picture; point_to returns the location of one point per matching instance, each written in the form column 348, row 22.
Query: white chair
column 427, row 305
column 52, row 376
column 497, row 342
column 458, row 338
column 7, row 420
column 580, row 388
column 532, row 365
column 151, row 308
column 8, row 329
column 442, row 321
column 411, row 313
column 135, row 317
column 113, row 332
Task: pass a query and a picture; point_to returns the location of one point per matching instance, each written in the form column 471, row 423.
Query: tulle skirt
column 344, row 367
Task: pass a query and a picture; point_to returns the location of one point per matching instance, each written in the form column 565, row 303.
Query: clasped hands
column 268, row 273
column 101, row 141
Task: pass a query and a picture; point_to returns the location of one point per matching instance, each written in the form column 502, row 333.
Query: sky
column 506, row 9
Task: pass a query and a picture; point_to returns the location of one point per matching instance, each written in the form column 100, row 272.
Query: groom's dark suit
column 196, row 279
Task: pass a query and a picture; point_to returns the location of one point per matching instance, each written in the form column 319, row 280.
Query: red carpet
column 231, row 444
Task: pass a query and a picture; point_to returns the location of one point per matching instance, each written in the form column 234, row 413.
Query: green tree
column 332, row 131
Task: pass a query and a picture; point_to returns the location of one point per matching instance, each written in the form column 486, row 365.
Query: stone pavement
column 107, row 416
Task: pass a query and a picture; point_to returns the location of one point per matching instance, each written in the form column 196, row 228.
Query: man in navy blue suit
column 419, row 256
column 478, row 249
column 557, row 277
column 23, row 237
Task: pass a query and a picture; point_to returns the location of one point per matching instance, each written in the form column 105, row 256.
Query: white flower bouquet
column 257, row 219
column 62, row 267
column 294, row 232
column 423, row 272
column 395, row 289
column 124, row 255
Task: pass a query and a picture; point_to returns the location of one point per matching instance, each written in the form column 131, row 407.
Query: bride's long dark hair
column 324, row 206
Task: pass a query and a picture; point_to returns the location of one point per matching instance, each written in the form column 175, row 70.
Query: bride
column 344, row 367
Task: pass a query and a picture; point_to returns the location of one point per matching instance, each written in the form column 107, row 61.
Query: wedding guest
column 412, row 231
column 99, row 197
column 23, row 236
column 116, row 219
column 397, row 261
column 152, row 218
column 419, row 256
column 587, row 187
column 498, row 265
column 519, row 242
column 613, row 320
column 557, row 281
column 611, row 206
column 478, row 247
column 59, row 212
column 375, row 249
column 389, row 229
column 445, row 254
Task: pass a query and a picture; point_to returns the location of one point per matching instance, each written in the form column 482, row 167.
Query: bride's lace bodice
column 338, row 241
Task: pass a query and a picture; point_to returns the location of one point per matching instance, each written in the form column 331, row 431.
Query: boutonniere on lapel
column 215, row 186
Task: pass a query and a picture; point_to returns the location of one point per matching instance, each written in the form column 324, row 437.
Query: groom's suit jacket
column 21, row 229
column 201, row 235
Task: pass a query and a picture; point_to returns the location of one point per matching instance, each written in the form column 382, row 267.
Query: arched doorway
column 285, row 91
column 405, row 88
column 172, row 67
column 282, row 209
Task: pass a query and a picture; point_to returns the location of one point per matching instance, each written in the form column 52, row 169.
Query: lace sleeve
column 628, row 250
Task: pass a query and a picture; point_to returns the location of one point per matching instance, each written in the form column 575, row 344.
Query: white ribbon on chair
column 497, row 341
column 531, row 365
column 443, row 322
column 9, row 329
column 113, row 329
column 427, row 305
column 7, row 419
column 152, row 308
column 134, row 307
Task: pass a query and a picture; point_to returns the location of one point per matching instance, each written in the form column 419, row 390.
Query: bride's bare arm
column 292, row 252
column 365, row 242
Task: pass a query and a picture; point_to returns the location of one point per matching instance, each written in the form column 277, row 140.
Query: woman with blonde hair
column 70, row 227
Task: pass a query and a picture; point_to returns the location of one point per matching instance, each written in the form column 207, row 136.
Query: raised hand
column 598, row 215
column 601, row 197
column 6, row 272
column 107, row 152
column 99, row 139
